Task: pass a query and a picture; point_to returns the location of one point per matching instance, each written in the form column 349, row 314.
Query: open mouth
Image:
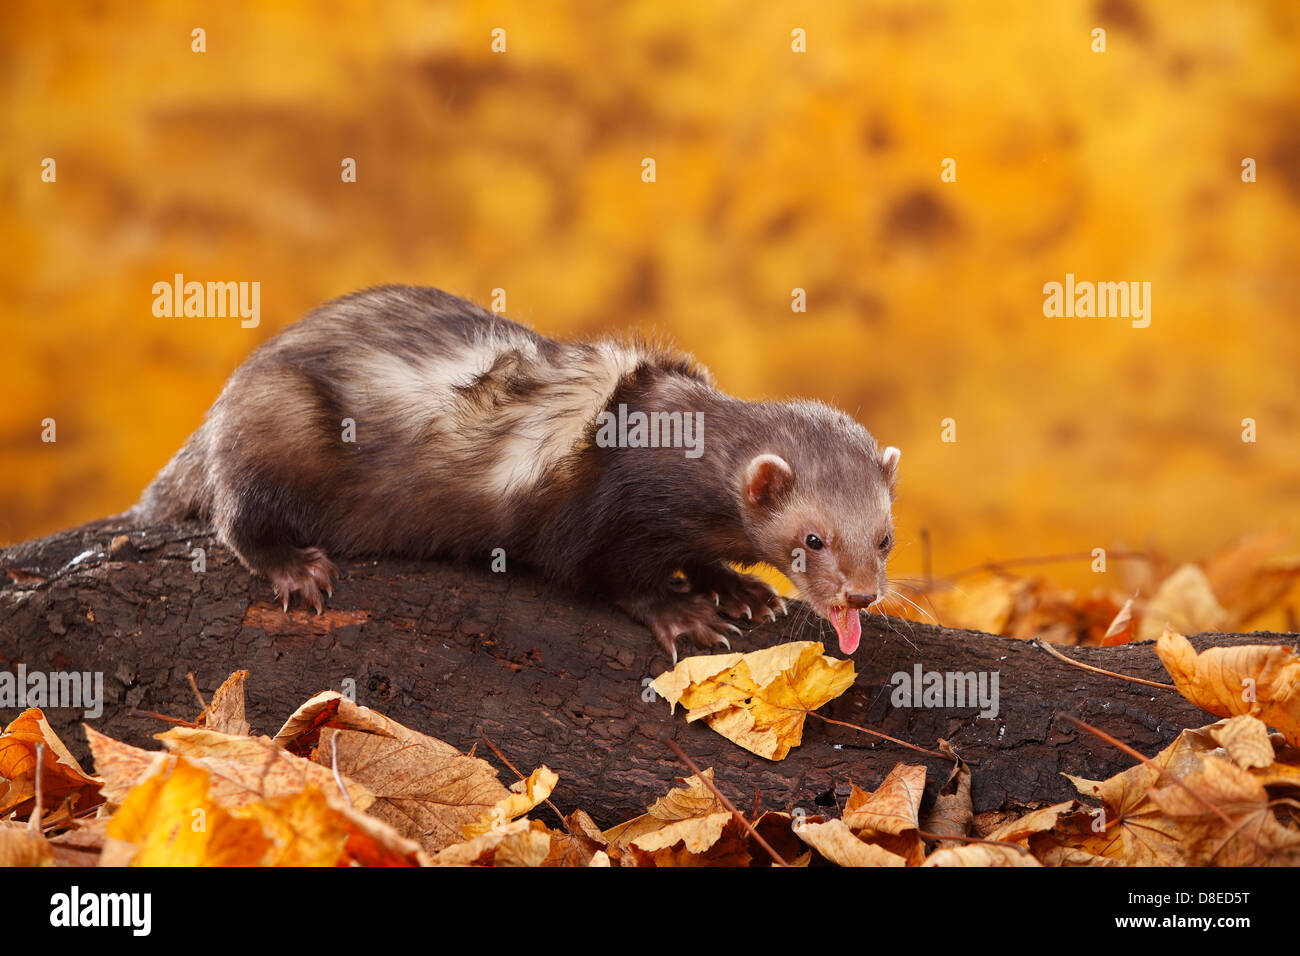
column 848, row 626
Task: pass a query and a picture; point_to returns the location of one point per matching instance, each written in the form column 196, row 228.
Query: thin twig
column 1044, row 646
column 70, row 817
column 876, row 733
column 736, row 814
column 137, row 712
column 195, row 687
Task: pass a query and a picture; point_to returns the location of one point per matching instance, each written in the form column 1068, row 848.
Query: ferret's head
column 818, row 506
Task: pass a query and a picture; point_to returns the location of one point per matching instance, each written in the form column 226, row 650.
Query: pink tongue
column 848, row 625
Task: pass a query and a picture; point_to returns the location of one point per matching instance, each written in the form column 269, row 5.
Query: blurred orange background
column 776, row 170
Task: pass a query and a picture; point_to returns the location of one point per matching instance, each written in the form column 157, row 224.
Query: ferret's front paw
column 693, row 616
column 735, row 594
column 310, row 572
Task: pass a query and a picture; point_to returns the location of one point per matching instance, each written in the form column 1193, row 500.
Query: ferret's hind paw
column 310, row 572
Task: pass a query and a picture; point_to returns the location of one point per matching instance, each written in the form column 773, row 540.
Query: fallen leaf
column 521, row 843
column 174, row 819
column 171, row 820
column 579, row 845
column 758, row 700
column 982, row 605
column 1132, row 828
column 778, row 828
column 424, row 788
column 1036, row 821
column 122, row 766
column 304, row 828
column 1248, row 577
column 244, row 769
column 953, row 812
column 1054, row 854
column 1251, row 836
column 889, row 817
column 373, row 842
column 731, row 849
column 80, row 846
column 1262, row 680
column 226, row 711
column 1184, row 601
column 1120, row 630
column 22, row 846
column 690, row 814
column 894, row 806
column 980, row 854
column 252, row 768
column 301, row 732
column 1245, row 739
column 61, row 776
column 524, row 795
column 837, row 843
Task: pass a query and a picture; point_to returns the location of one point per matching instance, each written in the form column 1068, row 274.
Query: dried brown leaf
column 1262, row 680
column 837, row 843
column 226, row 711
column 61, row 776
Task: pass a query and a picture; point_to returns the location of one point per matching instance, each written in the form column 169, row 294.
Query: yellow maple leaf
column 171, row 820
column 758, row 700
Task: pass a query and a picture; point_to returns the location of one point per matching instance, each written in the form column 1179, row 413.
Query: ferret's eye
column 887, row 542
column 813, row 542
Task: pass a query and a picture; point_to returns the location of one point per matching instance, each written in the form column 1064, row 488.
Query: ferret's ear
column 889, row 464
column 768, row 478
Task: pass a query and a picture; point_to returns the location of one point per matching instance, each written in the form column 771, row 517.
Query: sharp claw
column 748, row 613
column 724, row 642
column 738, row 632
column 716, row 602
column 771, row 615
column 784, row 608
column 674, row 655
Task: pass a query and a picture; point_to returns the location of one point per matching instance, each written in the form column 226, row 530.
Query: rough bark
column 548, row 677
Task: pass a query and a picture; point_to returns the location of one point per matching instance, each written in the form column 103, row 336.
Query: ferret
column 406, row 422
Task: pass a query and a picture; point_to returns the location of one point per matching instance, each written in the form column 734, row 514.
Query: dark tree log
column 548, row 677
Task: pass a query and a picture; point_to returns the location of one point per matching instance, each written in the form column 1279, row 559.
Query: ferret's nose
column 859, row 601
